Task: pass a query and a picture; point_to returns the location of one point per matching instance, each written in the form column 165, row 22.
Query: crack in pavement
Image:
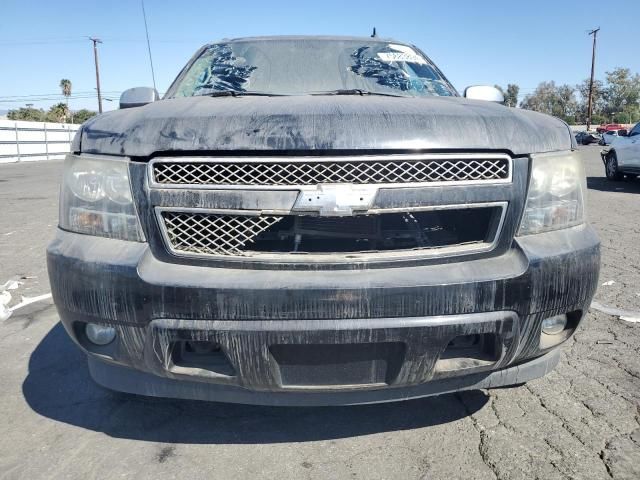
column 482, row 444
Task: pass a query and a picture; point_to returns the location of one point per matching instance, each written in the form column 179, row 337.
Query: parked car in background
column 609, row 127
column 610, row 135
column 320, row 220
column 587, row 138
column 622, row 158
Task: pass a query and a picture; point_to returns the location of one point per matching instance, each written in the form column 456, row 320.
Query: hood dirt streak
column 322, row 123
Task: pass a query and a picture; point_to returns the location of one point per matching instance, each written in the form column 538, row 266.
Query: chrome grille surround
column 286, row 172
column 221, row 233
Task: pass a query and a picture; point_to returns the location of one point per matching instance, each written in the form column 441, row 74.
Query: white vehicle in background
column 623, row 155
column 609, row 136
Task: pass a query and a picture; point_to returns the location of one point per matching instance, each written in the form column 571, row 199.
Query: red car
column 609, row 126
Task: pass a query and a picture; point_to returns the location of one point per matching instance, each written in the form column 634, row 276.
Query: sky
column 473, row 42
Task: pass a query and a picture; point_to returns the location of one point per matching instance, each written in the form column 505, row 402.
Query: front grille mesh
column 213, row 234
column 317, row 172
column 218, row 234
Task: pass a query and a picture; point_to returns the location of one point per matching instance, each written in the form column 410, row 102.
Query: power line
column 73, row 95
column 58, row 41
column 112, row 94
column 45, row 99
column 42, row 40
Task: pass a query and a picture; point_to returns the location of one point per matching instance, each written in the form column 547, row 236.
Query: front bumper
column 325, row 336
column 138, row 382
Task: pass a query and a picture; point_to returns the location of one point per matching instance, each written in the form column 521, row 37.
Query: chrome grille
column 213, row 234
column 204, row 233
column 308, row 172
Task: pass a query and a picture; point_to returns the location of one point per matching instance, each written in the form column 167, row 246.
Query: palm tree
column 58, row 113
column 65, row 85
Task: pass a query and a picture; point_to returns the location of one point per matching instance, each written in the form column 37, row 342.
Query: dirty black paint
column 322, row 124
column 122, row 284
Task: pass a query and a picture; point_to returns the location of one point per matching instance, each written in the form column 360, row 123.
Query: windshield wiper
column 357, row 91
column 239, row 93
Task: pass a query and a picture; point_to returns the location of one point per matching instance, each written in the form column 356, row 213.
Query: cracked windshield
column 299, row 67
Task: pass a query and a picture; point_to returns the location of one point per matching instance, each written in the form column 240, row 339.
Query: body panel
column 321, row 123
column 247, row 311
column 628, row 149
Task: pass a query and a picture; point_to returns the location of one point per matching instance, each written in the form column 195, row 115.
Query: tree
column 622, row 94
column 567, row 105
column 543, row 99
column 553, row 100
column 598, row 105
column 65, row 86
column 511, row 96
column 83, row 115
column 28, row 114
column 57, row 113
column 538, row 99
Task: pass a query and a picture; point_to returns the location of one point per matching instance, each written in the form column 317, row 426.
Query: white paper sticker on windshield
column 402, row 54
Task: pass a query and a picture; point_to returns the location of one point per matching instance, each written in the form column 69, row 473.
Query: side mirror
column 138, row 96
column 484, row 92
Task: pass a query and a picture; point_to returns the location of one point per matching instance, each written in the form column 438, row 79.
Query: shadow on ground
column 628, row 185
column 58, row 386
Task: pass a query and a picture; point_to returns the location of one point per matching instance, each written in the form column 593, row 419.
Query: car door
column 628, row 149
column 633, row 148
column 609, row 137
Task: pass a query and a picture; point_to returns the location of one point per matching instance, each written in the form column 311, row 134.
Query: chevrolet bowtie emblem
column 335, row 199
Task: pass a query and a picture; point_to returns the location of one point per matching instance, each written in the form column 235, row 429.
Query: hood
column 322, row 123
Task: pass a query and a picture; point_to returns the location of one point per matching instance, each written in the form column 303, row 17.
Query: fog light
column 100, row 334
column 554, row 325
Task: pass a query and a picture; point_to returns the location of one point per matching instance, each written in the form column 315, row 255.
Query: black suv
column 320, row 220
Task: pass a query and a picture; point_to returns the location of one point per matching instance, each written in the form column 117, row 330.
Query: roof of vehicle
column 269, row 38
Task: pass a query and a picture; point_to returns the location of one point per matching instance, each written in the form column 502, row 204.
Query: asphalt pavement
column 580, row 421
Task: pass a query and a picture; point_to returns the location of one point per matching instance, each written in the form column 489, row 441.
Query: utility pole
column 95, row 58
column 593, row 66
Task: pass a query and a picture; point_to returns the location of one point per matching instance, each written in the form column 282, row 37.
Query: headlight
column 556, row 193
column 96, row 198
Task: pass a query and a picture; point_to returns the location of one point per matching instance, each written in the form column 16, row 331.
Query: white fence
column 30, row 141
